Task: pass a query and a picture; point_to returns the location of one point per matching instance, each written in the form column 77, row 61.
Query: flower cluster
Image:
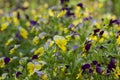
column 71, row 41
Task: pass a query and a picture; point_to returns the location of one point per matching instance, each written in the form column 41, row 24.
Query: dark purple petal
column 6, row 60
column 108, row 72
column 99, row 70
column 90, row 71
column 17, row 35
column 87, row 47
column 18, row 74
column 101, row 33
column 88, row 18
column 63, row 1
column 69, row 13
column 33, row 22
column 116, row 21
column 85, row 66
column 67, row 66
column 111, row 64
column 18, row 15
column 95, row 62
column 26, row 16
column 96, row 30
column 98, row 65
column 80, row 5
column 101, row 47
column 34, row 57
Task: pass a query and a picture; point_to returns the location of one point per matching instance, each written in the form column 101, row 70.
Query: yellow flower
column 12, row 50
column 39, row 51
column 27, row 23
column 66, row 30
column 118, row 40
column 68, row 37
column 33, row 67
column 30, row 68
column 44, row 77
column 98, row 25
column 38, row 66
column 51, row 13
column 2, row 64
column 117, row 72
column 61, row 42
column 9, row 41
column 101, row 40
column 105, row 35
column 4, row 26
column 79, row 75
column 77, row 11
column 23, row 33
column 36, row 40
column 76, row 22
column 62, row 13
column 15, row 21
column 94, row 38
column 63, row 69
column 26, row 4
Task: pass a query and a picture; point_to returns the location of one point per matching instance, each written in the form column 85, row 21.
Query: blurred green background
column 109, row 6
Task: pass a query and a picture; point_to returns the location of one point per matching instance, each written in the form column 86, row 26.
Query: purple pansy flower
column 6, row 60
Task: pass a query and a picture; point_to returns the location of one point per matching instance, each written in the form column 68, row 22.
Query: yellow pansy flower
column 30, row 68
column 61, row 42
column 117, row 72
column 51, row 13
column 23, row 33
column 26, row 4
column 39, row 51
column 2, row 64
column 4, row 26
column 44, row 77
column 36, row 40
column 62, row 13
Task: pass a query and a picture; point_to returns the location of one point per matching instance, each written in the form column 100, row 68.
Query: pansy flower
column 6, row 60
column 62, row 13
column 23, row 32
column 61, row 42
column 85, row 66
column 2, row 63
column 36, row 40
column 4, row 26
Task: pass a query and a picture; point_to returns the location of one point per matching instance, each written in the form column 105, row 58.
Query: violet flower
column 6, row 60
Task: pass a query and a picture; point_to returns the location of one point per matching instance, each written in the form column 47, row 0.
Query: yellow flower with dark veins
column 23, row 33
column 61, row 42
